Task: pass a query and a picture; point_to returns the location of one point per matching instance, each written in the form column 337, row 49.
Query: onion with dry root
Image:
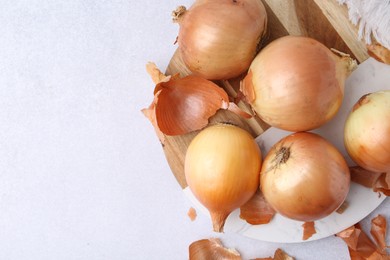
column 222, row 167
column 304, row 177
column 296, row 83
column 367, row 132
column 219, row 39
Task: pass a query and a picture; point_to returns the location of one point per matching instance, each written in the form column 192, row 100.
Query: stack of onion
column 367, row 132
column 218, row 39
column 304, row 177
column 222, row 167
column 296, row 83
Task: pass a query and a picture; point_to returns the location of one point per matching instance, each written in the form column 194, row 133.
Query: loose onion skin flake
column 222, row 167
column 296, row 84
column 218, row 39
column 308, row 230
column 367, row 132
column 379, row 182
column 257, row 210
column 192, row 214
column 183, row 105
column 279, row 255
column 304, row 177
column 379, row 53
column 212, row 249
column 360, row 246
column 378, row 232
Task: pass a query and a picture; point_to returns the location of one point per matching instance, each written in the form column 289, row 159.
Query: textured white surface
column 82, row 174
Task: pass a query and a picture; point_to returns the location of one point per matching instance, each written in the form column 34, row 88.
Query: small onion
column 304, row 177
column 222, row 167
column 367, row 132
column 219, row 39
column 297, row 84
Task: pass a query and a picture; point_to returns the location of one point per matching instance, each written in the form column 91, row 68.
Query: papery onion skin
column 304, row 177
column 222, row 167
column 213, row 249
column 296, row 83
column 219, row 39
column 367, row 132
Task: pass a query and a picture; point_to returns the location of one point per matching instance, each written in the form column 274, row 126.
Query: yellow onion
column 367, row 132
column 218, row 39
column 297, row 84
column 222, row 167
column 304, row 177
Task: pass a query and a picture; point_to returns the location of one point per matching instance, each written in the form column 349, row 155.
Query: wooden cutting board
column 325, row 21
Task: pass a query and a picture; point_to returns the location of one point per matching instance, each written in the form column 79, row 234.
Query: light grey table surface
column 82, row 174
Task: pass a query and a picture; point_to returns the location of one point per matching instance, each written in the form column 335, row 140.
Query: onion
column 219, row 39
column 297, row 84
column 222, row 167
column 367, row 132
column 304, row 177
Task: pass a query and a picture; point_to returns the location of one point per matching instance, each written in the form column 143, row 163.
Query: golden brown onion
column 367, row 132
column 304, row 177
column 218, row 39
column 297, row 84
column 222, row 167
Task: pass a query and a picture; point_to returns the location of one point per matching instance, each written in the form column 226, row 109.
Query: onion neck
column 218, row 219
column 345, row 65
column 177, row 14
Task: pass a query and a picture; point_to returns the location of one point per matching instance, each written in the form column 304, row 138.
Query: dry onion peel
column 308, row 230
column 192, row 214
column 342, row 208
column 378, row 52
column 278, row 255
column 186, row 104
column 296, row 83
column 383, row 184
column 360, row 246
column 183, row 105
column 211, row 248
column 222, row 167
column 379, row 182
column 257, row 211
column 219, row 39
column 378, row 231
column 150, row 113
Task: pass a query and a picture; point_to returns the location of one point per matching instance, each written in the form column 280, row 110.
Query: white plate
column 370, row 76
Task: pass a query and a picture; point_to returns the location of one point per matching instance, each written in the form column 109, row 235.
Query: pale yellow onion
column 367, row 132
column 218, row 39
column 304, row 177
column 296, row 83
column 222, row 167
